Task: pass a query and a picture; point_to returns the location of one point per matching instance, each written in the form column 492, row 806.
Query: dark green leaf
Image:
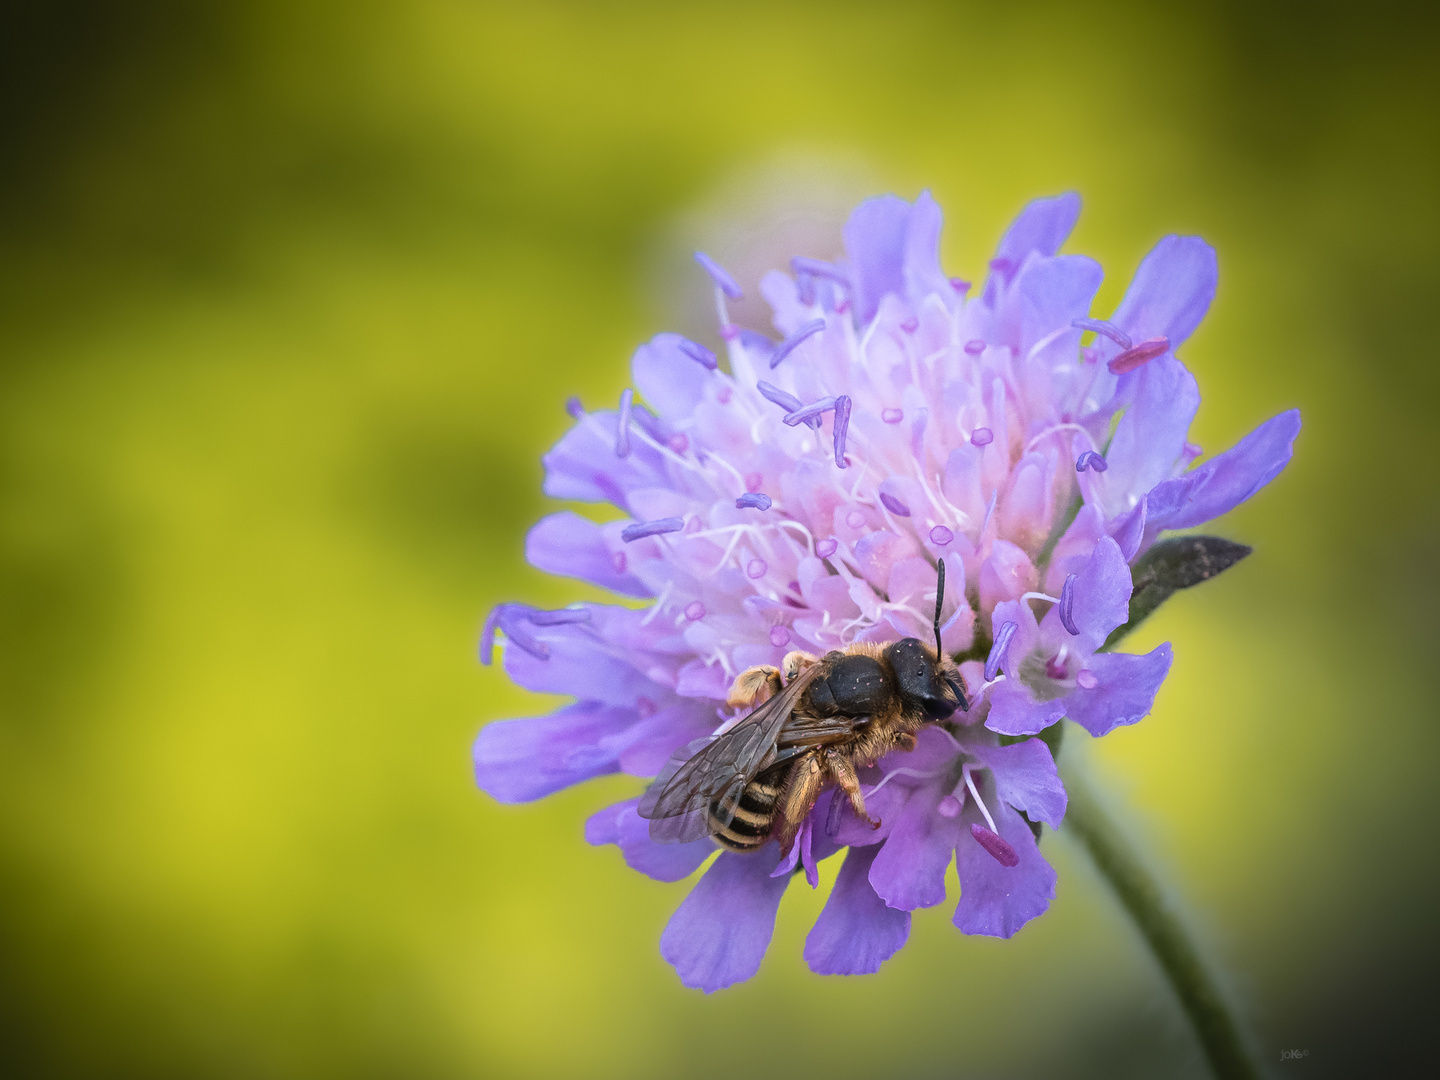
column 1177, row 563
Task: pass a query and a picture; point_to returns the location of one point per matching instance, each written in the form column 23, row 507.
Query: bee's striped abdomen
column 749, row 828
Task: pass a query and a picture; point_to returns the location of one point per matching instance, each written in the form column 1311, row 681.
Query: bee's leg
column 843, row 772
column 904, row 741
column 754, row 686
column 802, row 788
column 796, row 662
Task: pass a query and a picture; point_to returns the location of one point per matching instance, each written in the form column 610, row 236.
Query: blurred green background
column 291, row 296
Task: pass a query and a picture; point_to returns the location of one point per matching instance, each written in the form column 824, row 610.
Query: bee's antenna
column 939, row 599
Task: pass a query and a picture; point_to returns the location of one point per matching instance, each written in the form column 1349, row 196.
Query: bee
column 817, row 721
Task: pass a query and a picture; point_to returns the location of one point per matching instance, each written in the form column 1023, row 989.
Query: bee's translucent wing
column 676, row 803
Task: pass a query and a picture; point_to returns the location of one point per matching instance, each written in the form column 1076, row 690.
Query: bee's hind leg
column 843, row 772
column 802, row 788
column 796, row 661
column 754, row 686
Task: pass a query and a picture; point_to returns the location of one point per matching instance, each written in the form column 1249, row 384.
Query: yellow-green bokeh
column 292, row 298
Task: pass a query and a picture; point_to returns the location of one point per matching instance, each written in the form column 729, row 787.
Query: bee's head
column 921, row 679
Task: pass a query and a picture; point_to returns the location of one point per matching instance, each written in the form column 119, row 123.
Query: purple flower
column 802, row 497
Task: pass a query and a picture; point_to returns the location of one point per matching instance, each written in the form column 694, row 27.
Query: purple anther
column 1086, row 679
column 791, row 343
column 808, row 412
column 645, row 708
column 941, row 536
column 827, row 547
column 894, row 505
column 997, row 651
column 842, row 307
column 512, row 619
column 642, row 529
column 574, row 408
column 1091, row 459
column 699, row 353
column 995, row 844
column 1104, row 329
column 892, row 416
column 560, row 617
column 618, row 560
column 788, row 402
column 779, row 637
column 1067, row 605
column 982, row 436
column 818, row 268
column 694, row 610
column 1002, row 265
column 949, row 807
column 679, row 442
column 855, row 519
column 910, row 325
column 730, row 332
column 719, row 276
column 842, row 425
column 753, row 500
column 622, row 432
column 974, row 347
column 1141, row 354
column 756, row 568
column 960, row 285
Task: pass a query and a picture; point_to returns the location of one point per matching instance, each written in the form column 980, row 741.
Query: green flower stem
column 1138, row 891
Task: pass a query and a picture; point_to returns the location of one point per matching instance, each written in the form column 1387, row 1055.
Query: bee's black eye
column 920, row 680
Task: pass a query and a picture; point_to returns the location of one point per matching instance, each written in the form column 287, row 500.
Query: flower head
column 803, row 499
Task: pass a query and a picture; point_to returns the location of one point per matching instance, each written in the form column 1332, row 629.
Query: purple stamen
column 642, row 529
column 827, row 547
column 561, row 617
column 791, row 343
column 1086, row 679
column 892, row 416
column 753, row 500
column 1091, row 459
column 1143, row 353
column 788, row 402
column 995, row 844
column 756, row 568
column 622, row 432
column 679, row 442
column 894, row 505
column 694, row 610
column 842, row 425
column 574, row 408
column 719, row 276
column 805, row 288
column 997, row 651
column 1104, row 329
column 487, row 636
column 949, row 807
column 1067, row 605
column 819, row 268
column 1002, row 265
column 910, row 325
column 779, row 636
column 854, row 519
column 974, row 347
column 982, row 436
column 960, row 285
column 699, row 353
column 510, row 618
column 807, row 412
column 941, row 536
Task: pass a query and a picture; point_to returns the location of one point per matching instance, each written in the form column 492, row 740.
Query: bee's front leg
column 754, row 686
column 904, row 741
column 840, row 767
